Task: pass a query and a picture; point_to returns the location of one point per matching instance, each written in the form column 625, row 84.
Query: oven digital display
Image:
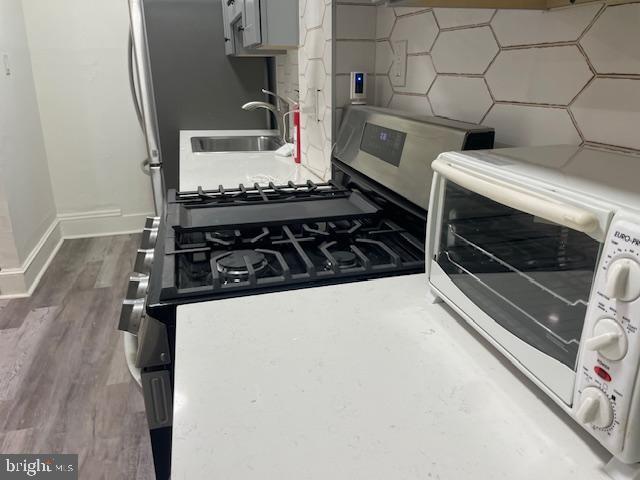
column 384, row 143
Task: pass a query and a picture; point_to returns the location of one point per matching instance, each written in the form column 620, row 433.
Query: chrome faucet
column 284, row 103
column 279, row 110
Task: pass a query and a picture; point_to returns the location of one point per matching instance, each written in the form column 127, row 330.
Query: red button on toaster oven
column 603, row 374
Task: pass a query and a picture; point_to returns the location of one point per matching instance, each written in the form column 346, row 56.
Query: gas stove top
column 229, row 242
column 245, row 258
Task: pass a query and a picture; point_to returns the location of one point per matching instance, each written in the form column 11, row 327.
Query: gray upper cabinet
column 260, row 27
column 233, row 9
column 229, row 47
column 251, row 28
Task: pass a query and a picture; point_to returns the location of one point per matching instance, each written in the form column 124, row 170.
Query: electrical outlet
column 399, row 67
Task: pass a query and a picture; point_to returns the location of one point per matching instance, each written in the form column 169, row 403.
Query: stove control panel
column 610, row 354
column 382, row 142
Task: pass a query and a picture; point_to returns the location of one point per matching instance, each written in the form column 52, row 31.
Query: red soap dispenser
column 297, row 149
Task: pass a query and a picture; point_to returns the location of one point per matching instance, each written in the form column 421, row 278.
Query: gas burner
column 234, row 266
column 343, row 259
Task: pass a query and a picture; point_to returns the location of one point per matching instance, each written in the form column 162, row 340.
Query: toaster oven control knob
column 623, row 280
column 594, row 408
column 608, row 339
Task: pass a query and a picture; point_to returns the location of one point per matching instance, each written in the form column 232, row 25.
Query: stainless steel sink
column 261, row 143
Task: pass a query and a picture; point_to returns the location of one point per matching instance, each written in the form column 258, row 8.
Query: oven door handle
column 130, row 351
column 569, row 216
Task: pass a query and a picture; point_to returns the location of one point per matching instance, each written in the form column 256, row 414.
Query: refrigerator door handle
column 145, row 167
column 133, row 84
column 134, row 88
column 139, row 54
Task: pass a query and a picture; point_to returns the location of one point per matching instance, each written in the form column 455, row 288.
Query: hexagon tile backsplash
column 569, row 75
column 315, row 69
column 305, row 74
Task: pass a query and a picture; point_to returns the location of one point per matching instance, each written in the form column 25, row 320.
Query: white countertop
column 365, row 380
column 210, row 170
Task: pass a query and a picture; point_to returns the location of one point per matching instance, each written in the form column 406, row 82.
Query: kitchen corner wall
column 568, row 76
column 288, row 79
column 70, row 144
column 316, row 85
column 27, row 207
column 287, row 74
column 93, row 141
column 306, row 74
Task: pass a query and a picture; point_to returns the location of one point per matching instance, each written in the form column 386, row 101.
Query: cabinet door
column 236, row 8
column 251, row 35
column 228, row 33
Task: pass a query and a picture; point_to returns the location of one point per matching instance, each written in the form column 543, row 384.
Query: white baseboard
column 100, row 223
column 22, row 281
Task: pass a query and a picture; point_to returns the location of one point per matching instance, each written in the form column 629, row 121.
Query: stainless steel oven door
column 521, row 275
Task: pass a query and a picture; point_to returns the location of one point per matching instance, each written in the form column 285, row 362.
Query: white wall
column 8, row 253
column 70, row 144
column 27, row 207
column 93, row 142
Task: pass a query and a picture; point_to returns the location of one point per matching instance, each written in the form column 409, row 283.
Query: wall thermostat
column 358, row 88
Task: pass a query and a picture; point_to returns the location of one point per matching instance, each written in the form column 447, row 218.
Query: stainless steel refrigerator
column 181, row 79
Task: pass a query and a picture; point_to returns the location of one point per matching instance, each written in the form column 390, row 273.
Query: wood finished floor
column 64, row 384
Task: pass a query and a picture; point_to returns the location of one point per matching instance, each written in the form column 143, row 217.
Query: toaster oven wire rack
column 567, row 280
column 512, row 304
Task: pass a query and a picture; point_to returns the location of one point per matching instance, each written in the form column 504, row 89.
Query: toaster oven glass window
column 531, row 276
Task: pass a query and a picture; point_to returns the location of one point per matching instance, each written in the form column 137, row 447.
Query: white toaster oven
column 539, row 250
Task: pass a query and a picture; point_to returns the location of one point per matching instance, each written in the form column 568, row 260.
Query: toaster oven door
column 522, row 280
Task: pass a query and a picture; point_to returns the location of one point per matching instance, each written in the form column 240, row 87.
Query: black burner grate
column 258, row 194
column 294, row 254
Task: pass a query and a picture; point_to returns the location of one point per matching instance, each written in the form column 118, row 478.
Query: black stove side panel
column 161, row 438
column 410, row 215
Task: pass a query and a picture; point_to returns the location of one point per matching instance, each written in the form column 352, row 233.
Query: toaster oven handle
column 569, row 216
